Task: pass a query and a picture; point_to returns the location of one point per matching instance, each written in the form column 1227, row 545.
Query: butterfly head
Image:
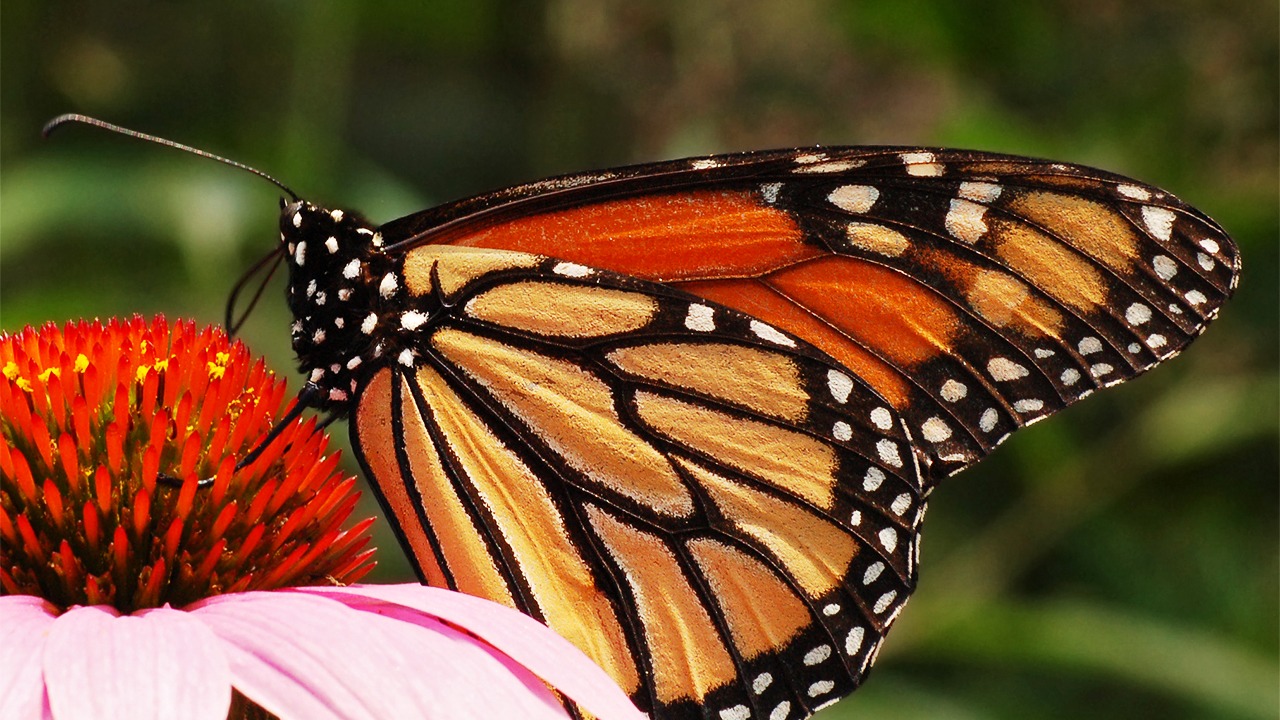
column 338, row 282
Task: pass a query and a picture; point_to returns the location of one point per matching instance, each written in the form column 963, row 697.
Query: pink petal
column 159, row 664
column 24, row 620
column 299, row 655
column 527, row 641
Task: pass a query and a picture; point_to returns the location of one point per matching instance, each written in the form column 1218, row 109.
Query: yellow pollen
column 44, row 376
column 161, row 365
column 11, row 370
column 82, row 363
column 215, row 371
column 24, row 384
column 141, row 373
column 222, row 358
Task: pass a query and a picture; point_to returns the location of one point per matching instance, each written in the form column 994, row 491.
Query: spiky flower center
column 94, row 417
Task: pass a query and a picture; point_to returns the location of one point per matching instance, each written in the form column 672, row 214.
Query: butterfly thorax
column 341, row 287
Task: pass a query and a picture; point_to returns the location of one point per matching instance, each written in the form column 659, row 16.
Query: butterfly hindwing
column 714, row 510
column 976, row 292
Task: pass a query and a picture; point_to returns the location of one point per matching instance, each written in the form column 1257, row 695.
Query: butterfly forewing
column 975, row 292
column 714, row 510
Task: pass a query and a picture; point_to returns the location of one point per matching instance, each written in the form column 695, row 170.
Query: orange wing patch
column 660, row 237
column 457, row 266
column 558, row 400
column 762, row 611
column 757, row 299
column 879, row 307
column 551, row 308
column 688, row 655
column 793, row 462
column 815, row 552
column 523, row 512
column 1086, row 225
column 764, row 381
column 372, row 425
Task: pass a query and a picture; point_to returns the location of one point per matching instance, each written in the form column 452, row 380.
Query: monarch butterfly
column 689, row 414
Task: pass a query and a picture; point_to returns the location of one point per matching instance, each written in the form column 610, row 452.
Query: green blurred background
column 1119, row 561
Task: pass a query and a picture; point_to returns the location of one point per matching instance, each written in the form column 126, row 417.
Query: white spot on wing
column 297, row 220
column 921, row 164
column 822, row 687
column 900, row 504
column 856, row 199
column 370, row 322
column 882, row 418
column 770, row 333
column 1165, row 267
column 300, row 254
column 1004, row 370
column 1210, row 245
column 1134, row 192
column 981, row 192
column 987, row 422
column 873, row 479
column 888, row 451
column 700, row 318
column 1137, row 314
column 1070, row 376
column 1159, row 221
column 889, row 539
column 954, row 391
column 817, row 655
column 1028, row 406
column 966, row 220
column 569, row 269
column 853, row 641
column 405, row 358
column 331, row 244
column 1195, row 297
column 873, row 572
column 781, row 711
column 737, row 712
column 840, row 385
column 935, row 430
column 1090, row 345
column 830, row 609
column 761, row 683
column 1156, row 341
column 841, row 431
column 769, row 191
column 351, row 270
column 885, row 600
column 704, row 164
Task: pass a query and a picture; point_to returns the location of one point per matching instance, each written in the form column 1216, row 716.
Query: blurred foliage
column 1119, row 561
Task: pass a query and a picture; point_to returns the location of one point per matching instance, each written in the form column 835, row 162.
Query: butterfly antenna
column 234, row 322
column 61, row 120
